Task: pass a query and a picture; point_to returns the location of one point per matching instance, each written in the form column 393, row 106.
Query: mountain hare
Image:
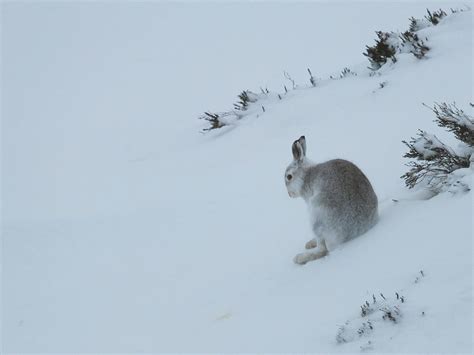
column 341, row 202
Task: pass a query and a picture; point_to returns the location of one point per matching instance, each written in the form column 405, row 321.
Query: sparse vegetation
column 456, row 121
column 219, row 120
column 435, row 162
column 347, row 72
column 372, row 313
column 389, row 44
column 383, row 50
column 378, row 312
column 417, row 24
column 213, row 119
column 245, row 98
column 222, row 119
column 435, row 17
column 312, row 79
column 290, row 79
column 413, row 44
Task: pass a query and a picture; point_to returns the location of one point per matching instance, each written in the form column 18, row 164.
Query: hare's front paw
column 302, row 258
column 311, row 244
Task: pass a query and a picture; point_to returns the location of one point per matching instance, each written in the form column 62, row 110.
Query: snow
column 427, row 144
column 126, row 230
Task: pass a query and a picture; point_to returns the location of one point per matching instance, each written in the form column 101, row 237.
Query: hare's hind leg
column 320, row 252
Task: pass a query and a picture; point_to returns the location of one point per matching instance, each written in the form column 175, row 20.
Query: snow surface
column 126, row 230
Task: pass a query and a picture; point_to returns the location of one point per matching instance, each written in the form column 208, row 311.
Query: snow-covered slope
column 126, row 230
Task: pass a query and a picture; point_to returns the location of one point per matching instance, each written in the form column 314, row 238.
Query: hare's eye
column 289, row 177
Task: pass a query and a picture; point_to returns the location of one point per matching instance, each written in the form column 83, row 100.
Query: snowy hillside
column 126, row 229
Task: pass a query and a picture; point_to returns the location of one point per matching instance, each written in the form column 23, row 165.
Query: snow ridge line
column 388, row 45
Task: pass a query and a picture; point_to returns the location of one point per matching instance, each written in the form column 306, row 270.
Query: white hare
column 341, row 201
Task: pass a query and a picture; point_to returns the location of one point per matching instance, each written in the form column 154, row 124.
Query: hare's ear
column 297, row 150
column 302, row 141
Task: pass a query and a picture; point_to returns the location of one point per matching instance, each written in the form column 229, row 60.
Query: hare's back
column 346, row 196
column 339, row 181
